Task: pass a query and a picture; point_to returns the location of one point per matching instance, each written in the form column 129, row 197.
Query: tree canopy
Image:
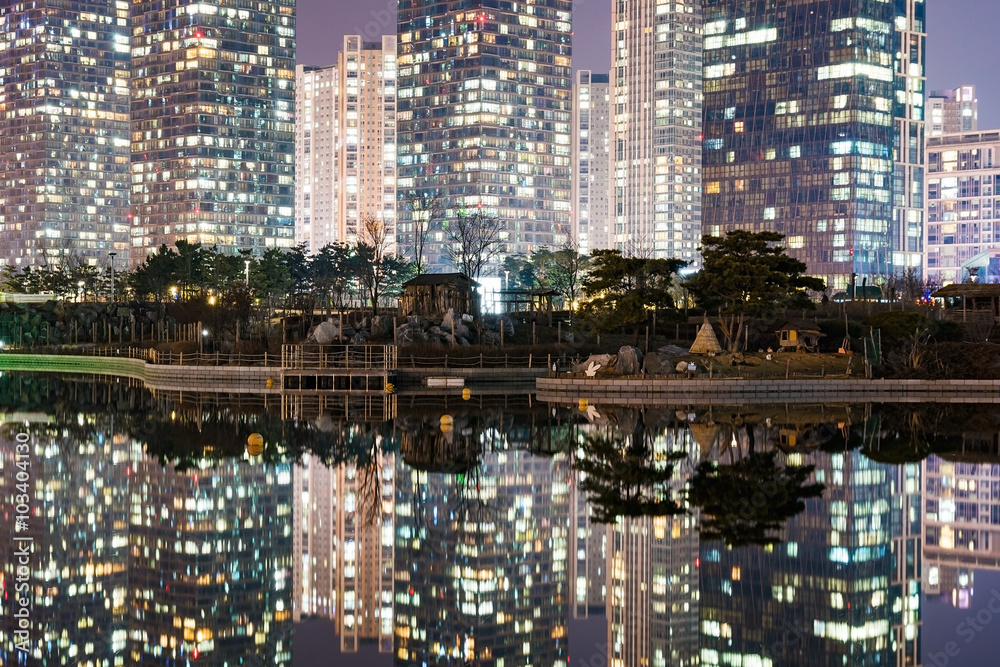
column 746, row 274
column 623, row 290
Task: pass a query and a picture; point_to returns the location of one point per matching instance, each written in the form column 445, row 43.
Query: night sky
column 962, row 34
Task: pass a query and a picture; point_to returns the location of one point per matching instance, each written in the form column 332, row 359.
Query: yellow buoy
column 269, row 383
column 389, row 388
column 466, row 394
column 583, row 405
column 255, row 444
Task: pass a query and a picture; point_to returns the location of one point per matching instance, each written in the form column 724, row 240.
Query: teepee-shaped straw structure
column 706, row 342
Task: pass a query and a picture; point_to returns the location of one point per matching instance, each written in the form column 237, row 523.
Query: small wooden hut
column 433, row 294
column 970, row 301
column 799, row 336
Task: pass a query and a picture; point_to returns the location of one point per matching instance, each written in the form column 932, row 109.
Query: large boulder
column 594, row 362
column 629, row 361
column 381, row 327
column 652, row 364
column 325, row 333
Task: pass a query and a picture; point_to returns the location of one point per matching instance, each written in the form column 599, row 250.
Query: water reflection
column 750, row 535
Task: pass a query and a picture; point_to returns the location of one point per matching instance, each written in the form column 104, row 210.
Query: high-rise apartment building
column 64, row 132
column 345, row 145
column 656, row 77
column 484, row 119
column 952, row 111
column 813, row 129
column 212, row 124
column 963, row 204
column 591, row 161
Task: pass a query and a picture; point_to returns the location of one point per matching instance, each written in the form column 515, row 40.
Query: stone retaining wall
column 622, row 391
column 228, row 379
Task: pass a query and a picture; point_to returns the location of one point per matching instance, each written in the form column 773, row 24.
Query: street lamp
column 112, row 256
column 247, row 262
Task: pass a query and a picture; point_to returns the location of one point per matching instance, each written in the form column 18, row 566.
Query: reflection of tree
column 627, row 480
column 749, row 500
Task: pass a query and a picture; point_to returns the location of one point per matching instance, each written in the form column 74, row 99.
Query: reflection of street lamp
column 80, row 285
column 112, row 256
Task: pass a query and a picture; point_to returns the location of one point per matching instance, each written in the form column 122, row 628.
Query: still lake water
column 371, row 532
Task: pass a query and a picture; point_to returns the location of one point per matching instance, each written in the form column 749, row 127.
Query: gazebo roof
column 969, row 290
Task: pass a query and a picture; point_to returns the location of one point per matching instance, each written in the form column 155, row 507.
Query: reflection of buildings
column 962, row 525
column 844, row 585
column 652, row 575
column 79, row 569
column 588, row 553
column 344, row 547
column 136, row 563
column 211, row 564
column 482, row 569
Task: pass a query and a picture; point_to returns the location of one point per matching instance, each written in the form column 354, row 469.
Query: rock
column 673, row 351
column 324, row 333
column 436, row 331
column 359, row 338
column 349, row 331
column 629, row 361
column 468, row 319
column 416, row 322
column 506, row 322
column 601, row 361
column 381, row 327
column 681, row 367
column 652, row 365
column 491, row 338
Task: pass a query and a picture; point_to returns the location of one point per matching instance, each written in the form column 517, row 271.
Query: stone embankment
column 228, row 379
column 633, row 390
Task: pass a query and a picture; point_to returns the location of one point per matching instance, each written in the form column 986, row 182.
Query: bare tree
column 379, row 271
column 567, row 270
column 426, row 212
column 474, row 241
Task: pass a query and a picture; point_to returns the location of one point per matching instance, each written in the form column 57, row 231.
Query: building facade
column 212, row 125
column 963, row 173
column 345, row 145
column 484, row 116
column 591, row 161
column 952, row 111
column 813, row 128
column 656, row 123
column 64, row 132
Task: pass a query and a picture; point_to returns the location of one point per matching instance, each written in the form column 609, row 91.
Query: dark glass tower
column 484, row 117
column 213, row 142
column 813, row 128
column 64, row 131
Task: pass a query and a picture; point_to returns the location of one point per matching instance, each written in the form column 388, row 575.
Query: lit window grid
column 216, row 166
column 73, row 202
column 473, row 133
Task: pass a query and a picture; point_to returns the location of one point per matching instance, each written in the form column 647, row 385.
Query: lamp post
column 247, row 274
column 112, row 255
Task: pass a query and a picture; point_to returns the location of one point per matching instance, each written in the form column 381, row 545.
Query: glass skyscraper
column 814, row 128
column 64, row 131
column 213, row 141
column 484, row 118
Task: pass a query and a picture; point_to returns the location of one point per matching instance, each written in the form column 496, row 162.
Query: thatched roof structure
column 706, row 342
